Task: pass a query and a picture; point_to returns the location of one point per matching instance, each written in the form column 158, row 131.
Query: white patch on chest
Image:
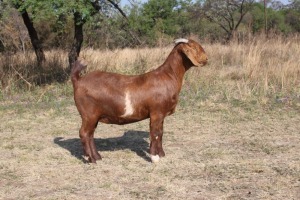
column 129, row 110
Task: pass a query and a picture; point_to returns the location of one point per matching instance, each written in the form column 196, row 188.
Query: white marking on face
column 154, row 159
column 156, row 137
column 129, row 110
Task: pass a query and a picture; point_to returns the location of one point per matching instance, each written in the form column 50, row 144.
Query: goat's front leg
column 156, row 133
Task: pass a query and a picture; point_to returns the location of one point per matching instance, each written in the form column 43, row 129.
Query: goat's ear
column 191, row 54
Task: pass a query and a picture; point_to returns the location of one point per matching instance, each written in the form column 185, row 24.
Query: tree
column 277, row 5
column 80, row 10
column 12, row 29
column 83, row 11
column 292, row 15
column 228, row 14
column 256, row 21
column 35, row 41
column 277, row 20
column 294, row 4
column 158, row 19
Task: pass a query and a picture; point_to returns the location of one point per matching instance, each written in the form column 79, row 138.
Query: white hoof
column 154, row 159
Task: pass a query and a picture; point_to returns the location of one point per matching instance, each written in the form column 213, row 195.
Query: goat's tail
column 77, row 67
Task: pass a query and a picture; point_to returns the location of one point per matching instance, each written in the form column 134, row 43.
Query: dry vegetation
column 235, row 134
column 258, row 71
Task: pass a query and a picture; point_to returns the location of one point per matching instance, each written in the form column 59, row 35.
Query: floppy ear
column 191, row 54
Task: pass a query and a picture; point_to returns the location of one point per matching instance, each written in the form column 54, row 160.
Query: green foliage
column 257, row 15
column 157, row 17
column 292, row 18
column 55, row 7
column 277, row 22
column 150, row 22
column 276, row 19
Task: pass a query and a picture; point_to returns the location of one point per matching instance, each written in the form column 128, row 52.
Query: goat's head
column 193, row 51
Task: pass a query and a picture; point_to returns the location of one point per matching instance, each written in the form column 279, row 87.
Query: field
column 235, row 133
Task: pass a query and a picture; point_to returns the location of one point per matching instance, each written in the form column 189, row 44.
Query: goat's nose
column 205, row 58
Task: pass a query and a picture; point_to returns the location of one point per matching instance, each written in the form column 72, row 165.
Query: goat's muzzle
column 204, row 60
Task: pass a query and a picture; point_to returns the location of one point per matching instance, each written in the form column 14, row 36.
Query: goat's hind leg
column 95, row 153
column 86, row 134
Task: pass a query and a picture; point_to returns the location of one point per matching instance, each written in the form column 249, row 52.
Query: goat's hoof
column 161, row 153
column 154, row 159
column 92, row 160
column 98, row 156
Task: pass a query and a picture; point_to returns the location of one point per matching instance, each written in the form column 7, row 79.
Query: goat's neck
column 177, row 65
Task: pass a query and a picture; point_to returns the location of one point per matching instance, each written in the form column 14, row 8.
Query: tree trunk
column 34, row 38
column 78, row 39
column 2, row 47
column 265, row 18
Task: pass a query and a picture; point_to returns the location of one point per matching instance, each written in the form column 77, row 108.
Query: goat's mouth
column 202, row 64
column 203, row 61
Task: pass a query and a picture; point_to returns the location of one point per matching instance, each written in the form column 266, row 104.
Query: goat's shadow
column 132, row 140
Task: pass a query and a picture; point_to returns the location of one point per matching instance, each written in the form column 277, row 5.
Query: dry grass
column 260, row 72
column 259, row 67
column 20, row 72
column 224, row 154
column 128, row 61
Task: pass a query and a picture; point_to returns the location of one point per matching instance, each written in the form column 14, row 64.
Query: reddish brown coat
column 121, row 99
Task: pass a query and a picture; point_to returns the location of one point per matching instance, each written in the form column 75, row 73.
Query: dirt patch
column 219, row 154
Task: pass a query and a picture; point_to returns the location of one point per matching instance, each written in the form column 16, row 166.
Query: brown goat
column 121, row 99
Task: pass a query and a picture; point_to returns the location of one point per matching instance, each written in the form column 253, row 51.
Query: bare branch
column 20, row 75
column 118, row 8
column 127, row 21
column 224, row 13
column 217, row 22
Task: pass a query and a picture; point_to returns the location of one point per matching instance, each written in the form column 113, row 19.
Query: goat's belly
column 119, row 120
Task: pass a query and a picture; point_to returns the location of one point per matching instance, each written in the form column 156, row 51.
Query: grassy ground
column 214, row 151
column 235, row 134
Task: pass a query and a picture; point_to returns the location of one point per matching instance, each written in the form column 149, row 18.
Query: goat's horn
column 181, row 40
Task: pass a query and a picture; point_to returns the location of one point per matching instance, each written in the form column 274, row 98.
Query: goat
column 121, row 99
